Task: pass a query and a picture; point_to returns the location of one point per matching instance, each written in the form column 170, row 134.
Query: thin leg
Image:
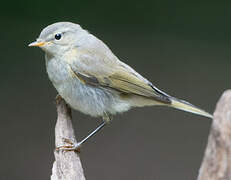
column 92, row 133
column 76, row 146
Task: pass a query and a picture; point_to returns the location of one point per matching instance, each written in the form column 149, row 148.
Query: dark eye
column 58, row 36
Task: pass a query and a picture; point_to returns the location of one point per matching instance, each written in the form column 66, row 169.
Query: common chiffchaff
column 91, row 79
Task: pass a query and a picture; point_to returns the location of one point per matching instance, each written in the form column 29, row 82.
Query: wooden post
column 216, row 163
column 67, row 165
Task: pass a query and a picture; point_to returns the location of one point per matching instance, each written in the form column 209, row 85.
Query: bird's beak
column 37, row 44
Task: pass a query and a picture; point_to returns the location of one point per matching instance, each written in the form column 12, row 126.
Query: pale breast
column 87, row 99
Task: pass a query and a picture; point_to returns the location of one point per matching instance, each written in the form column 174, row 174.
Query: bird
column 91, row 79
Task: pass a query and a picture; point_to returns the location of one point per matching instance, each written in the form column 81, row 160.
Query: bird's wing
column 102, row 72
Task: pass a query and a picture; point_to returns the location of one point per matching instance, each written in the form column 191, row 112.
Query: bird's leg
column 76, row 146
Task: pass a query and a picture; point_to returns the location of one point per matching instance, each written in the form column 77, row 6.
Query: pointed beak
column 37, row 44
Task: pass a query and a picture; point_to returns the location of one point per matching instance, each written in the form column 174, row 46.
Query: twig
column 67, row 165
column 216, row 164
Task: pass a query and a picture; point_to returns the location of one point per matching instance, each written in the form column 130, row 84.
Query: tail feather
column 185, row 106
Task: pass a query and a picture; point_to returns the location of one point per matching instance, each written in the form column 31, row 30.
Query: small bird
column 92, row 80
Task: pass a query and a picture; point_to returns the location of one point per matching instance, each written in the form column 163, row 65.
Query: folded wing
column 113, row 74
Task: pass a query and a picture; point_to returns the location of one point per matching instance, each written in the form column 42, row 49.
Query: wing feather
column 114, row 75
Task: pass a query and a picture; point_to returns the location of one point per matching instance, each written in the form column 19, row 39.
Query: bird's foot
column 71, row 147
column 58, row 99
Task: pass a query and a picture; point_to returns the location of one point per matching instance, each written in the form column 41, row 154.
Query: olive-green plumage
column 93, row 80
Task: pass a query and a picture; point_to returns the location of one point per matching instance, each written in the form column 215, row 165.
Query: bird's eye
column 58, row 36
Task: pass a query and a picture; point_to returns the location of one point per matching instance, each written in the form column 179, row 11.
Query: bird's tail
column 185, row 106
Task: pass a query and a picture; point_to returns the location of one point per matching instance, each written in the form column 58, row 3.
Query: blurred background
column 183, row 47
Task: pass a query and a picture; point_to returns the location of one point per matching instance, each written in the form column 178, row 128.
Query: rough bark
column 216, row 163
column 67, row 165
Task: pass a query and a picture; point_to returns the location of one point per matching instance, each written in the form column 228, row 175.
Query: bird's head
column 59, row 37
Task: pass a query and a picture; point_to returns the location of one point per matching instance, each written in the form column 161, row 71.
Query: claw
column 68, row 141
column 72, row 147
column 58, row 98
column 75, row 148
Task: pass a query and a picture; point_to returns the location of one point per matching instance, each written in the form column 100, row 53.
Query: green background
column 183, row 47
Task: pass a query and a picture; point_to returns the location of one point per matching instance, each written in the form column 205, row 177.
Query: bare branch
column 67, row 165
column 216, row 164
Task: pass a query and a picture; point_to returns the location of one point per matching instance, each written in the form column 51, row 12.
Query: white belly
column 87, row 99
